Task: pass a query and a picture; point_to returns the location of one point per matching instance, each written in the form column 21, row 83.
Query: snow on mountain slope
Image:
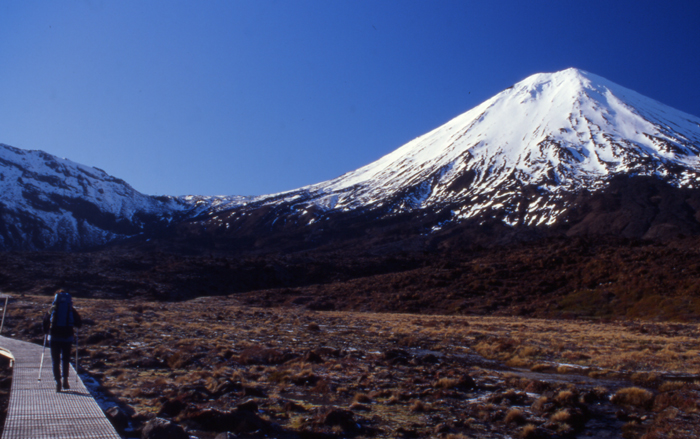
column 555, row 132
column 47, row 202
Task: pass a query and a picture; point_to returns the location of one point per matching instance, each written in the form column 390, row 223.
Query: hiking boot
column 65, row 384
column 58, row 386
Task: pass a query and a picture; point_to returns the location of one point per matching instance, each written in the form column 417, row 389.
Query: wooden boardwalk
column 37, row 411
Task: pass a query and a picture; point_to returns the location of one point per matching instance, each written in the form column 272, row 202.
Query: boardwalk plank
column 36, row 411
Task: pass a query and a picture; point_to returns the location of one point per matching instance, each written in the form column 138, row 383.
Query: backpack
column 62, row 310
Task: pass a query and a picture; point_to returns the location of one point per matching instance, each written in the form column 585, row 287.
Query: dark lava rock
column 171, row 407
column 118, row 418
column 342, row 418
column 396, row 356
column 466, row 383
column 193, row 392
column 249, row 406
column 237, row 421
column 226, row 388
column 291, row 406
column 429, row 359
column 254, row 391
column 98, row 337
column 442, row 428
column 406, row 433
column 160, row 428
column 313, row 357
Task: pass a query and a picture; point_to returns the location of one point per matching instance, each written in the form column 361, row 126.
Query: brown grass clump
column 541, row 367
column 259, row 355
column 645, row 379
column 518, row 361
column 362, row 398
column 683, row 399
column 418, row 406
column 634, row 397
column 394, row 399
column 515, row 416
column 528, row 432
column 669, row 386
column 540, row 404
column 359, row 407
column 446, row 383
column 565, row 397
column 180, row 359
column 561, row 416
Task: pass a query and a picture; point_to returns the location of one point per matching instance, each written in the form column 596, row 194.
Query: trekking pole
column 4, row 310
column 42, row 357
column 76, row 356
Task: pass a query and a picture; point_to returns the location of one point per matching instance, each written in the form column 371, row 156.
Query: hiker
column 58, row 324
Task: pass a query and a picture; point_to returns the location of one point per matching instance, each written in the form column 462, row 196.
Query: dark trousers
column 60, row 355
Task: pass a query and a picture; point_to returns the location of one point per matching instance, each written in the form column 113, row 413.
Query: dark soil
column 549, row 278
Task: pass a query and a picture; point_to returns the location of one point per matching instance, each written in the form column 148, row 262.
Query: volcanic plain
column 218, row 364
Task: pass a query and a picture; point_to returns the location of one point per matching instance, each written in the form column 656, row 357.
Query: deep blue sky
column 255, row 97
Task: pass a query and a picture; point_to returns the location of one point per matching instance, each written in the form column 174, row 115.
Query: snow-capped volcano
column 554, row 132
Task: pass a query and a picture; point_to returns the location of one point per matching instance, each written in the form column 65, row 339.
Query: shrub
column 561, row 416
column 633, row 396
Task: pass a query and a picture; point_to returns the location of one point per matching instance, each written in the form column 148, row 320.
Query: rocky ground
column 215, row 364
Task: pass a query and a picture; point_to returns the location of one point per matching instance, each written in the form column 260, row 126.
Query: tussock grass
column 528, row 432
column 633, row 396
column 565, row 397
column 561, row 416
column 670, row 386
column 418, row 406
column 515, row 416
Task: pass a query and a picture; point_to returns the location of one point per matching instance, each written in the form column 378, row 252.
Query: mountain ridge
column 49, row 202
column 520, row 158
